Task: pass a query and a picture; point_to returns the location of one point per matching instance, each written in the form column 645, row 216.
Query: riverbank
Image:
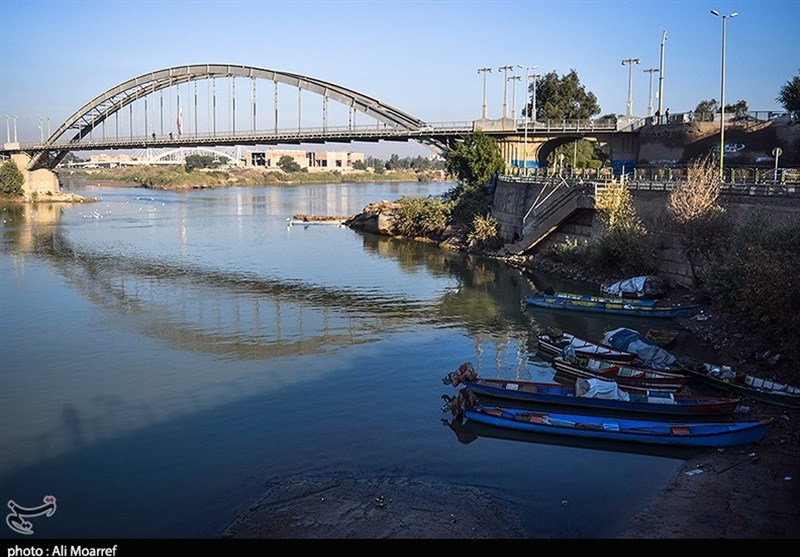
column 178, row 178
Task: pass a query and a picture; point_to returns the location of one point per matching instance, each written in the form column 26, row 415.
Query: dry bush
column 698, row 197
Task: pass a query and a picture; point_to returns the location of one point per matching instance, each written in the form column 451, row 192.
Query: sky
column 420, row 56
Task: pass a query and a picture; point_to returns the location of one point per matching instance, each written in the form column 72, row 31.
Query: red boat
column 627, row 376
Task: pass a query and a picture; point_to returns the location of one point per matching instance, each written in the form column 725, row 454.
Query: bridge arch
column 192, row 151
column 545, row 149
column 85, row 120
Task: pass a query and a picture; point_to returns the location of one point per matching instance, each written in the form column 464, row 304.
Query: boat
column 608, row 305
column 721, row 377
column 552, row 342
column 658, row 432
column 591, row 394
column 726, row 379
column 626, row 375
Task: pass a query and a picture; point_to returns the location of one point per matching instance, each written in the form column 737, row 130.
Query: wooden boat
column 723, row 378
column 553, row 341
column 608, row 305
column 726, row 379
column 678, row 433
column 627, row 376
column 661, row 337
column 595, row 394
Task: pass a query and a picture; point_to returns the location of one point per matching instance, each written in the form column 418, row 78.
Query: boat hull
column 563, row 395
column 609, row 306
column 553, row 346
column 648, row 380
column 690, row 434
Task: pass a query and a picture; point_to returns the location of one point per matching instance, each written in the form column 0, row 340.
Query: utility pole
column 651, row 71
column 484, row 71
column 630, row 62
column 722, row 96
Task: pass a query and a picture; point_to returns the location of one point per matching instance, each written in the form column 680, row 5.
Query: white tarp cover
column 646, row 286
column 649, row 354
column 597, row 388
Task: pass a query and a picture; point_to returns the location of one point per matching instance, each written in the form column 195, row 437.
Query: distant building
column 313, row 161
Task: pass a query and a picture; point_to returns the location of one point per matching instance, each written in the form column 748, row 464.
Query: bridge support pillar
column 42, row 181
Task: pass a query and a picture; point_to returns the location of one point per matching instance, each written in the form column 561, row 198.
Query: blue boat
column 608, row 305
column 676, row 433
column 586, row 395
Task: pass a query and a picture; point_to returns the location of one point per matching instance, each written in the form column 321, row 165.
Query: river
column 166, row 354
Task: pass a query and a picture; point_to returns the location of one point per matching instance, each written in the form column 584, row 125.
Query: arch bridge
column 215, row 105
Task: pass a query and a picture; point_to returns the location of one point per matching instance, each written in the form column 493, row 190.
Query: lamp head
column 734, row 14
column 715, row 12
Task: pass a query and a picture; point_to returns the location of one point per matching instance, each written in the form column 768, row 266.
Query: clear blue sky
column 419, row 56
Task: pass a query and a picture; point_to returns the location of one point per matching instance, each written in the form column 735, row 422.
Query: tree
column 579, row 153
column 563, row 98
column 789, row 95
column 694, row 207
column 11, row 179
column 474, row 162
column 288, row 164
column 200, row 161
column 359, row 165
column 738, row 109
column 704, row 111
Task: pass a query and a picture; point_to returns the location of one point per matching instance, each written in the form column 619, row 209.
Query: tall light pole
column 484, row 71
column 651, row 71
column 514, row 78
column 528, row 113
column 8, row 128
column 722, row 96
column 505, row 69
column 630, row 62
column 661, row 75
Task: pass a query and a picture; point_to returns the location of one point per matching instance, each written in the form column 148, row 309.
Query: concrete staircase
column 555, row 204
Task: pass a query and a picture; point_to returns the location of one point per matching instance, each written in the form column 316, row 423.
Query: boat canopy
column 645, row 286
column 632, row 341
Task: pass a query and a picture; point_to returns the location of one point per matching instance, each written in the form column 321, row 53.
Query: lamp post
column 484, row 71
column 514, row 78
column 505, row 69
column 651, row 71
column 661, row 75
column 528, row 113
column 722, row 96
column 630, row 62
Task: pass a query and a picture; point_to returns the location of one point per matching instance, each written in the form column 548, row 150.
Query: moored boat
column 608, row 305
column 678, row 433
column 594, row 394
column 628, row 376
column 721, row 377
column 552, row 342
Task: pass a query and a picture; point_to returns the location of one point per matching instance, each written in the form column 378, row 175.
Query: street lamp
column 528, row 112
column 651, row 71
column 505, row 69
column 722, row 96
column 630, row 62
column 484, row 71
column 514, row 78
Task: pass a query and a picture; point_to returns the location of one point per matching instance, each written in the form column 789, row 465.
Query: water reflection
column 467, row 431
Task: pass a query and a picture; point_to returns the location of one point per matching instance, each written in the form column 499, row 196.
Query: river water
column 164, row 355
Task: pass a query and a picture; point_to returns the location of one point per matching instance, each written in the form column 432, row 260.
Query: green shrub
column 568, row 251
column 421, row 216
column 11, row 179
column 483, row 232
